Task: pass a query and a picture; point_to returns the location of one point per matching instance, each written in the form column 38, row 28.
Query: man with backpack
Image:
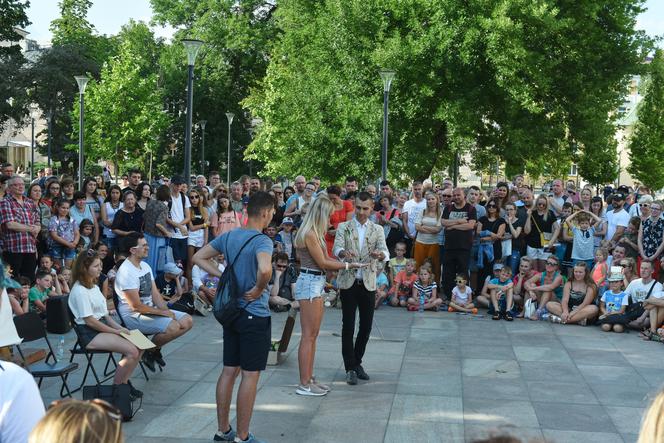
column 178, row 218
column 247, row 337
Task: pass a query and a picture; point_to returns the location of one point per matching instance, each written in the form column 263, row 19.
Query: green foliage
column 13, row 16
column 521, row 78
column 237, row 35
column 647, row 142
column 124, row 118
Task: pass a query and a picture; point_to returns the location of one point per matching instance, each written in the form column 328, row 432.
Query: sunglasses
column 446, row 196
column 541, row 204
column 460, row 281
column 194, row 196
column 624, row 265
column 644, row 205
column 551, row 263
column 491, row 206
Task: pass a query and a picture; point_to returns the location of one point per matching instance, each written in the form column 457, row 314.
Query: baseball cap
column 287, row 221
column 172, row 268
column 498, row 267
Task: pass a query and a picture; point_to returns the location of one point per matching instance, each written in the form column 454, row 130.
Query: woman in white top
column 96, row 329
column 111, row 206
column 428, row 226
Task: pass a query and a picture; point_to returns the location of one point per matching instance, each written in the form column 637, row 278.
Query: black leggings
column 455, row 261
column 22, row 264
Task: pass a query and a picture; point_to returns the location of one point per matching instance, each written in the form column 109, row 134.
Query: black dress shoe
column 361, row 374
column 158, row 358
column 133, row 392
column 351, row 377
column 148, row 361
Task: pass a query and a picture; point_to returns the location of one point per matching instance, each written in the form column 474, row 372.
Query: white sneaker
column 311, row 390
column 320, row 385
column 555, row 319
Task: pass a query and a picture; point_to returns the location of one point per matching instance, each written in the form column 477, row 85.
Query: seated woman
column 546, row 286
column 95, row 328
column 578, row 303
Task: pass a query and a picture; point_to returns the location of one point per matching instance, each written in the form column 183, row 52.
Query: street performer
column 358, row 240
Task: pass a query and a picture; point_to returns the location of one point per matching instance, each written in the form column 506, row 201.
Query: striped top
column 426, row 289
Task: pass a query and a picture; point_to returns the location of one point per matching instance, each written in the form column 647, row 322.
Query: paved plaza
column 435, row 377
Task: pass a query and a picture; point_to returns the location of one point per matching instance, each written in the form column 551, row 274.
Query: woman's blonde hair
column 75, row 421
column 652, row 426
column 317, row 219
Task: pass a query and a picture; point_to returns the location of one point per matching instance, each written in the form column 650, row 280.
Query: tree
column 238, row 35
column 12, row 95
column 124, row 108
column 50, row 84
column 523, row 79
column 647, row 142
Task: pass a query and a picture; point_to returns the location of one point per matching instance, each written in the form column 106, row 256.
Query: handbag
column 529, row 308
column 117, row 395
column 544, row 241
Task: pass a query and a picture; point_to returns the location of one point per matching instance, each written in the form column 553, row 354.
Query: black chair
column 89, row 354
column 30, row 328
column 116, row 303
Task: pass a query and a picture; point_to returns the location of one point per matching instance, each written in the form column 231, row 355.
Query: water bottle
column 421, row 307
column 60, row 351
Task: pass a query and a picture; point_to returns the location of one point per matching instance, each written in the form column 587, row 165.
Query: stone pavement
column 435, row 377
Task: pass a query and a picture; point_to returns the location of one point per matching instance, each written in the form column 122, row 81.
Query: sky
column 108, row 16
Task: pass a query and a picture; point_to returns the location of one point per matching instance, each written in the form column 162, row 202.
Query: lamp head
column 82, row 81
column 203, row 123
column 230, row 116
column 192, row 46
column 387, row 75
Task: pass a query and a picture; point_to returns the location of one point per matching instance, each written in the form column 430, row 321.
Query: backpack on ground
column 227, row 307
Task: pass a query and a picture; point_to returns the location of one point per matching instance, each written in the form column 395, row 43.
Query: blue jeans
column 156, row 253
column 513, row 260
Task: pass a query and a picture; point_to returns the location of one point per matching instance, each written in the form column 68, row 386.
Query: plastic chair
column 30, row 328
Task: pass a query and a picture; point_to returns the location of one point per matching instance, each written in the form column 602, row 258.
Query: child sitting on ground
column 462, row 296
column 424, row 291
column 613, row 303
column 18, row 297
column 44, row 287
column 398, row 263
column 500, row 290
column 484, row 299
column 402, row 286
column 600, row 271
column 205, row 285
column 382, row 285
column 286, row 237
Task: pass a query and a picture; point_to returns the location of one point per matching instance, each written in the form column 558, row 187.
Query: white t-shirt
column 462, row 297
column 615, row 219
column 85, row 302
column 131, row 277
column 413, row 208
column 177, row 212
column 21, row 406
column 638, row 291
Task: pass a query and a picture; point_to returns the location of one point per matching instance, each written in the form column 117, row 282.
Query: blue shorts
column 150, row 324
column 61, row 252
column 309, row 286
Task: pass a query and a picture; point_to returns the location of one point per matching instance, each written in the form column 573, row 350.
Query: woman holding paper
column 95, row 328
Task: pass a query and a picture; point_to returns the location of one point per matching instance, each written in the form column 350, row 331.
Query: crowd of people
column 148, row 256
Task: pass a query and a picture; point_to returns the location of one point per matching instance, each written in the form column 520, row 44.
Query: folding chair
column 89, row 354
column 116, row 302
column 30, row 328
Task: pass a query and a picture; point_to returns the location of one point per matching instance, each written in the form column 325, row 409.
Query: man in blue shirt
column 247, row 341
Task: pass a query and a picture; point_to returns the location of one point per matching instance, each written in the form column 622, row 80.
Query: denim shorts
column 62, row 252
column 309, row 286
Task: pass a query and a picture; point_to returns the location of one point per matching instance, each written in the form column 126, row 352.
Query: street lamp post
column 229, row 116
column 49, row 120
column 82, row 83
column 33, row 112
column 387, row 75
column 202, row 124
column 192, row 47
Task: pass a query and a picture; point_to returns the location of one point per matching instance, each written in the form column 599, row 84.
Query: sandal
column 508, row 316
column 496, row 316
column 646, row 334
